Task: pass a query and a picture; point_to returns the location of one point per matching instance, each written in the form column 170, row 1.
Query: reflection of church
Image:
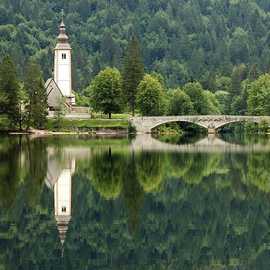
column 61, row 167
column 59, row 179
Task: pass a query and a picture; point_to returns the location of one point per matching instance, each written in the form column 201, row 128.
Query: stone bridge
column 211, row 122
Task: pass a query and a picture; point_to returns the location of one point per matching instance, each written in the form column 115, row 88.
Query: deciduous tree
column 259, row 96
column 106, row 91
column 150, row 97
column 180, row 103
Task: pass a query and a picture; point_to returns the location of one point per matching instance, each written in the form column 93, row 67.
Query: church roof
column 54, row 94
column 62, row 43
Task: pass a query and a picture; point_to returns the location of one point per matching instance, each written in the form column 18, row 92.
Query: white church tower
column 60, row 86
column 62, row 65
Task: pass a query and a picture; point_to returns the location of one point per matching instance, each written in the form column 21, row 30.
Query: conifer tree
column 9, row 89
column 37, row 106
column 133, row 71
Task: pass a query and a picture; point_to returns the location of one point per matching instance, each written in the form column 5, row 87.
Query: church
column 59, row 88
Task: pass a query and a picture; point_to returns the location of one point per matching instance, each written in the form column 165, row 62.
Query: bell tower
column 62, row 64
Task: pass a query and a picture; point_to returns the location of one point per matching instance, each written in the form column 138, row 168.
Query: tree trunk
column 110, row 115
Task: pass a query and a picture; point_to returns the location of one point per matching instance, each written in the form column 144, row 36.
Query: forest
column 200, row 40
column 197, row 56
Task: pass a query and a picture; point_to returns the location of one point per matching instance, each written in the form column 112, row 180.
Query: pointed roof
column 62, row 39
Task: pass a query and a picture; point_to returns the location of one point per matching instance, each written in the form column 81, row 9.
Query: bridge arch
column 221, row 125
column 178, row 121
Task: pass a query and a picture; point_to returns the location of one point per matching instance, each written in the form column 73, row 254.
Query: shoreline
column 109, row 132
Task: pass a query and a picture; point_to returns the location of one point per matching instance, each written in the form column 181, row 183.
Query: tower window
column 64, row 56
column 64, row 209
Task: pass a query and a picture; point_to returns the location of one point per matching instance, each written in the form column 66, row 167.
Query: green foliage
column 3, row 101
column 82, row 100
column 37, row 106
column 58, row 121
column 150, row 97
column 106, row 91
column 179, row 103
column 9, row 89
column 171, row 129
column 133, row 71
column 264, row 126
column 212, row 103
column 223, row 98
column 199, row 99
column 180, row 39
column 259, row 96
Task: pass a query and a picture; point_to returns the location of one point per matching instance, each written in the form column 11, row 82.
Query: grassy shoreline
column 74, row 126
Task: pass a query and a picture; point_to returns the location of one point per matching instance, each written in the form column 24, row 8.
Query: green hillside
column 184, row 40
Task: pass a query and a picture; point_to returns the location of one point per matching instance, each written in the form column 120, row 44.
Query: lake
column 74, row 202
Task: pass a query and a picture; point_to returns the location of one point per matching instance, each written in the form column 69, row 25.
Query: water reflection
column 118, row 205
column 59, row 179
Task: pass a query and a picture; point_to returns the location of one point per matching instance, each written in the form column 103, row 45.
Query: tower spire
column 62, row 14
column 62, row 37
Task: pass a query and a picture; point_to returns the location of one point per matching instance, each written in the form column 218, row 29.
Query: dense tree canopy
column 180, row 39
column 217, row 46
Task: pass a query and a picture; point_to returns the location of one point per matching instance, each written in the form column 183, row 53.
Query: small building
column 59, row 88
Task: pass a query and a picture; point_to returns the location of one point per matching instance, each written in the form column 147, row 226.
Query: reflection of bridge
column 210, row 122
column 210, row 144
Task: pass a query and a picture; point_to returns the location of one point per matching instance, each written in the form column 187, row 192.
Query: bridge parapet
column 210, row 122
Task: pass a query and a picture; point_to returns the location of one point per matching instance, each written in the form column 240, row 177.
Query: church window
column 64, row 56
column 64, row 209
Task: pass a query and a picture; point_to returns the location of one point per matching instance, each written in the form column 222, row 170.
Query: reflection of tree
column 9, row 171
column 150, row 170
column 106, row 170
column 192, row 168
column 179, row 164
column 183, row 226
column 258, row 173
column 36, row 155
column 203, row 165
column 26, row 235
column 132, row 193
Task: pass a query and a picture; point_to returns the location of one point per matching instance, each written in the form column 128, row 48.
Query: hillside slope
column 182, row 39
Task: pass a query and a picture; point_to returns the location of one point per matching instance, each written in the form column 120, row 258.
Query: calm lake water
column 82, row 203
